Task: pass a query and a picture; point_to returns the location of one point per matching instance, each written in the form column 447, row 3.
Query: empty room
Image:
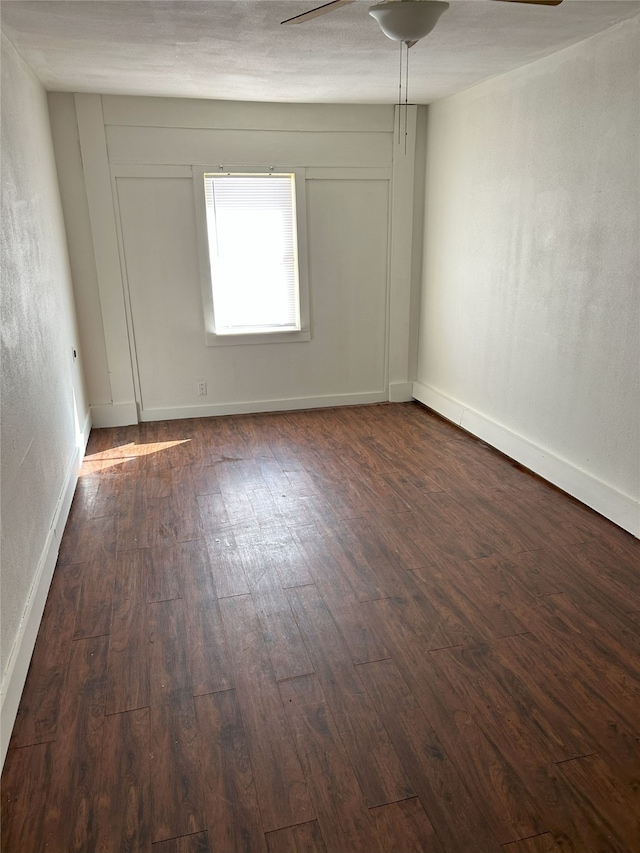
column 320, row 426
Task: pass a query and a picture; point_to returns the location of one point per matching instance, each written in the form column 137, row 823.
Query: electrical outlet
column 201, row 388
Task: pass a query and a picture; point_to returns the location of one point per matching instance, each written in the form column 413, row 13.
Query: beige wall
column 43, row 409
column 128, row 186
column 530, row 317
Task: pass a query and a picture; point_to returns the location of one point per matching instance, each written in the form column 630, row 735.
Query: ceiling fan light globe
column 408, row 20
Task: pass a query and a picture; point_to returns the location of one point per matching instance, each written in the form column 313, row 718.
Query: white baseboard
column 400, row 392
column 22, row 650
column 255, row 406
column 618, row 507
column 114, row 415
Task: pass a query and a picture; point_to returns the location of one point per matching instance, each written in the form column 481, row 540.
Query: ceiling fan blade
column 534, row 2
column 319, row 10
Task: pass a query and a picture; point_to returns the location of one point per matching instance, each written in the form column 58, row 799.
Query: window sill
column 250, row 339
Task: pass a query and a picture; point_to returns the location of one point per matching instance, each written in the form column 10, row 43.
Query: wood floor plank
column 107, row 497
column 184, row 505
column 30, row 798
column 226, row 566
column 457, row 815
column 301, row 483
column 288, row 560
column 339, row 803
column 163, row 580
column 77, row 752
column 372, row 755
column 273, row 474
column 205, row 479
column 455, row 628
column 206, row 645
column 509, row 803
column 396, row 547
column 592, row 563
column 280, row 784
column 317, row 632
column 177, row 800
column 194, row 570
column 320, row 512
column 131, row 530
column 357, row 632
column 544, row 843
column 124, row 809
column 88, row 539
column 161, row 522
column 239, row 510
column 534, row 570
column 213, row 513
column 231, row 804
column 128, row 679
column 133, row 571
column 616, row 805
column 168, row 662
column 451, row 529
column 511, row 532
column 494, row 685
column 38, row 712
column 466, row 594
column 242, row 475
column 285, row 645
column 405, row 828
column 95, row 598
column 264, row 508
column 513, row 814
column 303, row 838
column 572, row 822
column 204, row 640
column 426, row 621
column 587, row 704
column 350, row 557
column 566, row 630
column 196, row 843
column 158, row 483
column 87, row 488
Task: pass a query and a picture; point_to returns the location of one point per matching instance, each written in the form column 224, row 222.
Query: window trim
column 248, row 338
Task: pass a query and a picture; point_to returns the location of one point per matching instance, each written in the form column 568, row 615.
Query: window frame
column 249, row 338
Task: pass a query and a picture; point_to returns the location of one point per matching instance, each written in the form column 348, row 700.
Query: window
column 251, row 234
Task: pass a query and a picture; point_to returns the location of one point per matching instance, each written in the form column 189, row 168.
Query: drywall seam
column 24, row 644
column 622, row 509
column 291, row 404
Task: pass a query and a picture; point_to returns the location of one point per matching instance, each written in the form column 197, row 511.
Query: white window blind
column 251, row 229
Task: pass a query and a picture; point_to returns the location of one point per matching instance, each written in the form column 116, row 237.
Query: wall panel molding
column 97, row 177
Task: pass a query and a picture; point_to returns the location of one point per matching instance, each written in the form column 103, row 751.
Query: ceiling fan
column 405, row 21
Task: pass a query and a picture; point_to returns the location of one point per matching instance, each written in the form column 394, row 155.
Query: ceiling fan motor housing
column 408, row 20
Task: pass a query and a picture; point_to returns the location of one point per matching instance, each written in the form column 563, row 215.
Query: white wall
column 43, row 409
column 530, row 315
column 127, row 188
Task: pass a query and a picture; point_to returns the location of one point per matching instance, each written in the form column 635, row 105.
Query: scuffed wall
column 530, row 312
column 42, row 403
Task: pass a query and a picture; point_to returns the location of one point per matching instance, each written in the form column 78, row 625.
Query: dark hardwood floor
column 330, row 631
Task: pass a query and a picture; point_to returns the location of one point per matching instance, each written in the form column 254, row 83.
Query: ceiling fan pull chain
column 406, row 100
column 399, row 93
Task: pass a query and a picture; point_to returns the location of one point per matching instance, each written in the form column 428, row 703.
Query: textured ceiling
column 239, row 51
